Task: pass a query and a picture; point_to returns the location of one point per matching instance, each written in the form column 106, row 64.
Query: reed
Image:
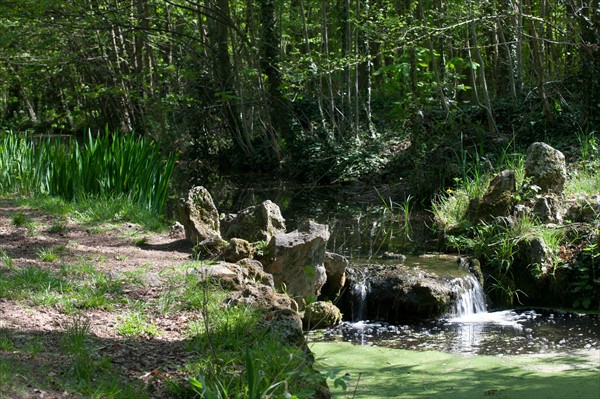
column 105, row 165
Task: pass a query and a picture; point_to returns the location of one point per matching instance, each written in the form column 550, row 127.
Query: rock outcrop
column 256, row 223
column 397, row 293
column 546, row 167
column 199, row 215
column 296, row 261
column 498, row 199
column 335, row 268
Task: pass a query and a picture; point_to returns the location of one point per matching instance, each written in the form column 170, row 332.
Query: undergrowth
column 499, row 244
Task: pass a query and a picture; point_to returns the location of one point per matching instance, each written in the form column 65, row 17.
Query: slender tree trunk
column 484, row 89
column 279, row 108
column 219, row 15
column 434, row 66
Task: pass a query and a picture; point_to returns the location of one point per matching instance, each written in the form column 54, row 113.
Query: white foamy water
column 470, row 298
column 501, row 318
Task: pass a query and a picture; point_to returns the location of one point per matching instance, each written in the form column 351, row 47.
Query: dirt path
column 31, row 331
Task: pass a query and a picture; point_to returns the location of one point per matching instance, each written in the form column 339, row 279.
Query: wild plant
column 585, row 285
column 588, row 146
column 6, row 259
column 47, row 255
column 105, row 165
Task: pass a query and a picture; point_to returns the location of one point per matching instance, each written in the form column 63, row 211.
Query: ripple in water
column 506, row 332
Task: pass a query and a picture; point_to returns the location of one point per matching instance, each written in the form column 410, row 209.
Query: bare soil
column 112, row 250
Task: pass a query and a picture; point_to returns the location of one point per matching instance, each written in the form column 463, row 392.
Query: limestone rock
column 584, row 210
column 335, row 268
column 546, row 167
column 237, row 249
column 199, row 216
column 534, row 252
column 321, row 314
column 547, row 209
column 256, row 223
column 209, row 248
column 296, row 260
column 498, row 199
column 395, row 293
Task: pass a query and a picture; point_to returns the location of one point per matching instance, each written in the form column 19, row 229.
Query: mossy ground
column 378, row 372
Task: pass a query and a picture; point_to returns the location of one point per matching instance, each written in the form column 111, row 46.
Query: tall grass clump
column 104, row 165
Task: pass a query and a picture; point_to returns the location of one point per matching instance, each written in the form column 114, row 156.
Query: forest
column 415, row 114
column 327, row 91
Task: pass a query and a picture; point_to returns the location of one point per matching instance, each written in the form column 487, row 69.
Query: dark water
column 364, row 221
column 507, row 332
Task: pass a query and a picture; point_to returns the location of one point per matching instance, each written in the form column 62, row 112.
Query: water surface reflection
column 508, row 332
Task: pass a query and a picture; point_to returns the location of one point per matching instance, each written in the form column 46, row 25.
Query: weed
column 106, row 165
column 20, row 219
column 57, row 227
column 141, row 241
column 6, row 259
column 47, row 255
column 76, row 337
column 6, row 344
column 135, row 324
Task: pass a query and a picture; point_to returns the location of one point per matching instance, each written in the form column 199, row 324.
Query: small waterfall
column 359, row 292
column 470, row 298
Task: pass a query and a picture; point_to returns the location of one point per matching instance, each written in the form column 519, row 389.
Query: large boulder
column 296, row 261
column 395, row 293
column 546, row 167
column 335, row 268
column 498, row 199
column 256, row 223
column 199, row 216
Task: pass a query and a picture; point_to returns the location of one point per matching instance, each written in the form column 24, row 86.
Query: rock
column 296, row 261
column 253, row 270
column 335, row 269
column 534, row 252
column 396, row 293
column 177, row 231
column 473, row 266
column 209, row 248
column 256, row 223
column 546, row 167
column 236, row 276
column 237, row 249
column 321, row 314
column 584, row 210
column 498, row 199
column 199, row 216
column 547, row 209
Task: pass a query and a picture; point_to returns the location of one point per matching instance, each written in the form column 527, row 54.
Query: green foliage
column 47, row 255
column 134, row 324
column 107, row 166
column 6, row 259
column 72, row 288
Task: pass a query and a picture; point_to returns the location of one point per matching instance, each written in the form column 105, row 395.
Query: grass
column 498, row 246
column 70, row 289
column 6, row 259
column 48, row 255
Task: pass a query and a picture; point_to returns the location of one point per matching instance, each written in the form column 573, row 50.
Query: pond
column 506, row 332
column 413, row 359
